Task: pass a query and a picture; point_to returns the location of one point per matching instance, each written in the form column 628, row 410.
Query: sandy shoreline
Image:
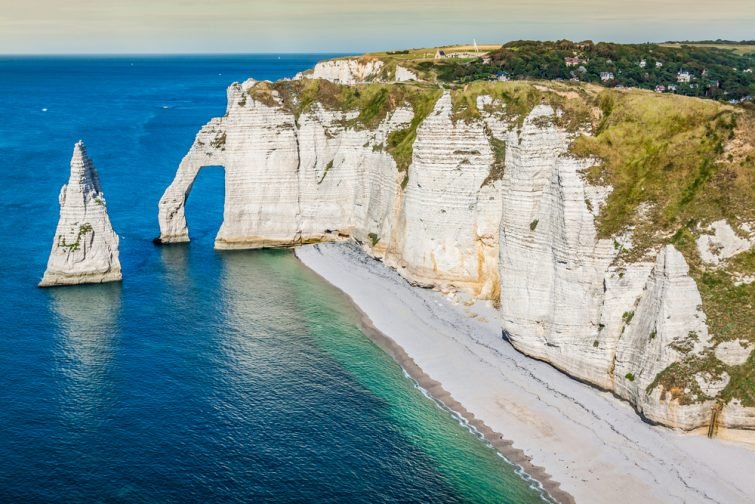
column 583, row 445
column 436, row 390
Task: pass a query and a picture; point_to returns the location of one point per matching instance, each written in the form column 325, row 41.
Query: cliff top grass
column 372, row 102
column 513, row 101
column 685, row 160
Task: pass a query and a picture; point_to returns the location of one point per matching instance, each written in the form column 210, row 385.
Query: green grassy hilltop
column 709, row 70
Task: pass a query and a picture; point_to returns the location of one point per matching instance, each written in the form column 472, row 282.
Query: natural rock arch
column 208, row 151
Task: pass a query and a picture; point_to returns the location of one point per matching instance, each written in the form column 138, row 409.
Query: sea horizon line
column 157, row 55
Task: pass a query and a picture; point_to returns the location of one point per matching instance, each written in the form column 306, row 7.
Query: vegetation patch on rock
column 84, row 229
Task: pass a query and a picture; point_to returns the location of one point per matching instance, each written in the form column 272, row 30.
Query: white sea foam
column 518, row 469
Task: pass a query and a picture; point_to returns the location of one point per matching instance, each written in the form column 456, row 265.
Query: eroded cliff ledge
column 574, row 209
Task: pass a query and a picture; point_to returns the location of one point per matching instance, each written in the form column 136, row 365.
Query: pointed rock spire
column 85, row 247
column 83, row 172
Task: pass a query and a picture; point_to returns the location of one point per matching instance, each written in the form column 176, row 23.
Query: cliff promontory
column 612, row 228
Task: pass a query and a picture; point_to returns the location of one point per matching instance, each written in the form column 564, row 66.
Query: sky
column 351, row 26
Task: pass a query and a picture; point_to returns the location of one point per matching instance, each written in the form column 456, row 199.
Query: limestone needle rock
column 85, row 247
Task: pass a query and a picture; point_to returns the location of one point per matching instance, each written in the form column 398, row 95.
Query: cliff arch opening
column 204, row 209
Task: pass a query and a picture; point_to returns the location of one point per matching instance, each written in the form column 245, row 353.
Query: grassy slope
column 742, row 49
column 688, row 162
column 684, row 162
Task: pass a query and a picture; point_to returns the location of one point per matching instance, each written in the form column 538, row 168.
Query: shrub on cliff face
column 498, row 165
column 400, row 143
column 219, row 141
column 84, row 229
column 327, row 169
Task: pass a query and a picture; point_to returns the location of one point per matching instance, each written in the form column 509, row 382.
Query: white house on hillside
column 683, row 76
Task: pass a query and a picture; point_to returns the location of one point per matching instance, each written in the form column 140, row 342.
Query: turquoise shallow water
column 206, row 376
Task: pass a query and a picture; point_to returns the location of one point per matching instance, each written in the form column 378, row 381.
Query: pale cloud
column 52, row 26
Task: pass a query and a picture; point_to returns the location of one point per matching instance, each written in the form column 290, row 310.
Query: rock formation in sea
column 474, row 193
column 85, row 247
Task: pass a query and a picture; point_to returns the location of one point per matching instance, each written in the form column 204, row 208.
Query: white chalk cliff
column 525, row 238
column 356, row 71
column 85, row 247
column 723, row 242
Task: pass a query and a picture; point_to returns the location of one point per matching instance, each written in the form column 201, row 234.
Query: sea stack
column 85, row 247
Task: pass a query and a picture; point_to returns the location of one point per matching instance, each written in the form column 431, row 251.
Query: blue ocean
column 205, row 376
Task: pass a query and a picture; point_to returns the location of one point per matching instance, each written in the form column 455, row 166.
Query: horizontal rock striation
column 85, row 247
column 493, row 205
